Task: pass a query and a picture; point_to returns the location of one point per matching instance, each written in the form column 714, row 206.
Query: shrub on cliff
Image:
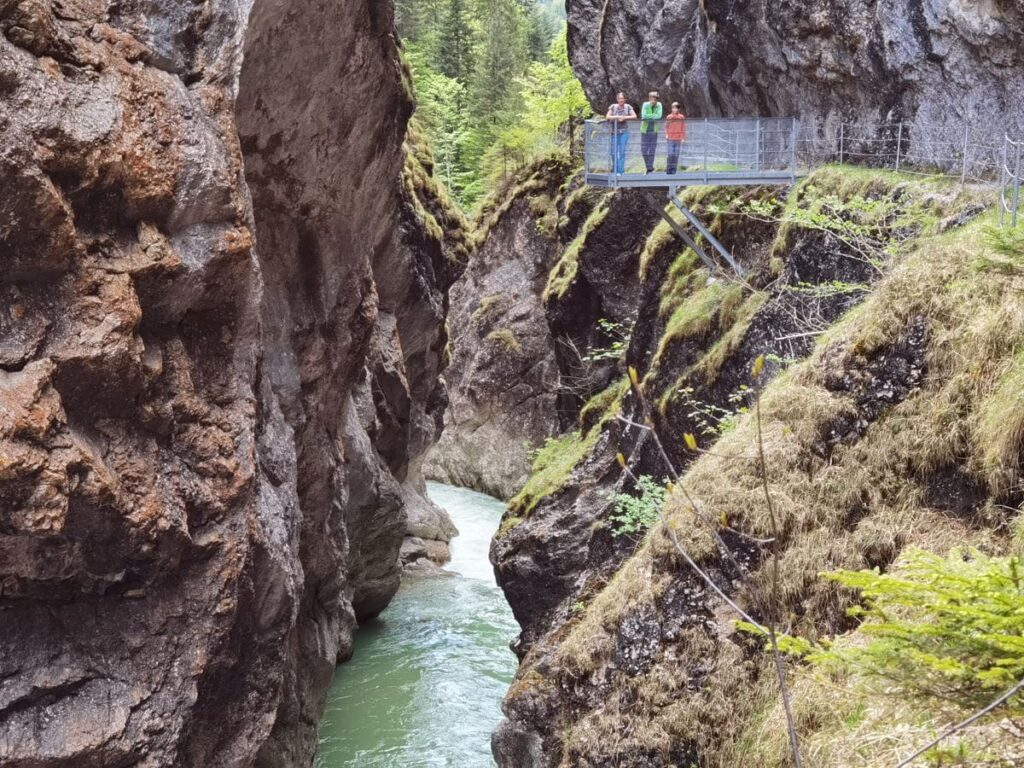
column 946, row 631
column 636, row 512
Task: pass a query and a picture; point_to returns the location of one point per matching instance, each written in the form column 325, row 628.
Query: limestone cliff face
column 212, row 411
column 934, row 63
column 504, row 380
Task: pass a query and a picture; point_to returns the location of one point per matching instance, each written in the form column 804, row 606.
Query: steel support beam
column 685, row 237
column 696, row 222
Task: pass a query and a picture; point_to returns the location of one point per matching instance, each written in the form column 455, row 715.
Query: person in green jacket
column 650, row 114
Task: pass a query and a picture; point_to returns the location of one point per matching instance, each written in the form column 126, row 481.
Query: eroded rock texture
column 934, row 63
column 504, row 380
column 623, row 651
column 206, row 447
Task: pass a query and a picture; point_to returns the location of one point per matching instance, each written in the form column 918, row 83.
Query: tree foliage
column 493, row 85
column 946, row 631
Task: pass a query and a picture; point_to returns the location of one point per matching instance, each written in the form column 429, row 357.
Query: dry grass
column 533, row 180
column 848, row 722
column 505, row 338
column 632, row 587
column 840, row 506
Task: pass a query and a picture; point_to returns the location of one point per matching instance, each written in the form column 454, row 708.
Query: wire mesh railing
column 689, row 149
column 1010, row 181
column 965, row 152
column 751, row 150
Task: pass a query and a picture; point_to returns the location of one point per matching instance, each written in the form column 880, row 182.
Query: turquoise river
column 424, row 687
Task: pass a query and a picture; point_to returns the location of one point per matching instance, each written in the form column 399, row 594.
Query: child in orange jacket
column 675, row 135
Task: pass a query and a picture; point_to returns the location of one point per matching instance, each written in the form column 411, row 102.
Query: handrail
column 721, row 150
column 752, row 150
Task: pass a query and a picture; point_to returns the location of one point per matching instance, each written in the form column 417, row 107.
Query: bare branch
column 1003, row 698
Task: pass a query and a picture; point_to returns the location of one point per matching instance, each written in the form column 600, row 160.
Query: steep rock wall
column 503, row 380
column 194, row 509
column 625, row 655
column 935, row 63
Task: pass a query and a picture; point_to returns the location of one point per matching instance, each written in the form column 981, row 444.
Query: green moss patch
column 563, row 275
column 551, row 468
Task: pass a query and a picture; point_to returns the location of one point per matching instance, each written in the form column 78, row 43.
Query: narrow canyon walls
column 213, row 413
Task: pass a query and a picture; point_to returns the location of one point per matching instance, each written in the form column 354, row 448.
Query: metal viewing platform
column 687, row 153
column 721, row 152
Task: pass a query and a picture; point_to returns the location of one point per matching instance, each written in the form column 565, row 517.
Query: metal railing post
column 1016, row 187
column 842, row 141
column 1002, row 180
column 705, row 150
column 899, row 146
column 757, row 146
column 794, row 132
column 967, row 133
column 586, row 150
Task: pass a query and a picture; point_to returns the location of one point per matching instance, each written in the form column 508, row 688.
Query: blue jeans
column 620, row 140
column 673, row 155
column 648, row 147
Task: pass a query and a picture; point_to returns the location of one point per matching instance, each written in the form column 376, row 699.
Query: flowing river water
column 424, row 687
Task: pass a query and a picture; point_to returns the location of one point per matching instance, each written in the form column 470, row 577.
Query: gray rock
column 503, row 379
column 219, row 366
column 933, row 63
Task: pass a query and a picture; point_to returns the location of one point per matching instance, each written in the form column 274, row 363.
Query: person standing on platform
column 675, row 135
column 650, row 115
column 619, row 115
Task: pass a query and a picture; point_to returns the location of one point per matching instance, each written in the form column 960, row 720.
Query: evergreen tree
column 454, row 43
column 542, row 29
column 501, row 55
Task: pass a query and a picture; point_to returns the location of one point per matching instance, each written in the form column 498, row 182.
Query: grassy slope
column 846, row 505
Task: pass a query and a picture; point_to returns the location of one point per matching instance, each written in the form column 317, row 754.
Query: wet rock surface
column 694, row 343
column 218, row 372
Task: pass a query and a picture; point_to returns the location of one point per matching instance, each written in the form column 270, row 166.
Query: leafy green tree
column 417, row 19
column 441, row 102
column 494, row 87
column 946, row 631
column 551, row 104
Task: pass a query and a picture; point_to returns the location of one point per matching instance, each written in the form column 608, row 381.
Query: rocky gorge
column 224, row 293
column 235, row 303
column 627, row 658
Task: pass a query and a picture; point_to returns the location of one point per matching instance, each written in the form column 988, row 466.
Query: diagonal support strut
column 696, row 222
column 685, row 237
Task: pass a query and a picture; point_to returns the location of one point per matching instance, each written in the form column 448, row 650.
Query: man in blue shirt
column 650, row 114
column 619, row 115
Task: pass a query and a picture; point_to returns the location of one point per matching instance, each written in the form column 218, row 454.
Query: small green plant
column 619, row 333
column 1005, row 251
column 634, row 514
column 830, row 288
column 944, row 631
column 578, row 608
column 713, row 420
